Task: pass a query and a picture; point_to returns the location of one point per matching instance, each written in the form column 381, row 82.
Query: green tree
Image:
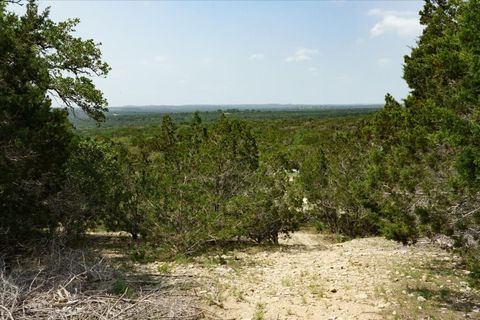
column 270, row 205
column 39, row 58
column 232, row 155
column 168, row 139
column 90, row 186
column 132, row 186
column 199, row 131
column 427, row 151
column 335, row 179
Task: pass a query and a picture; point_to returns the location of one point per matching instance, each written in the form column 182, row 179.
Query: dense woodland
column 144, row 117
column 409, row 170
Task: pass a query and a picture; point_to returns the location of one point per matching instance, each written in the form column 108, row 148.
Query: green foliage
column 335, row 182
column 259, row 312
column 412, row 168
column 185, row 187
column 472, row 261
column 141, row 253
column 163, row 268
column 196, row 181
column 190, row 185
column 65, row 62
column 425, row 153
column 119, row 286
column 270, row 205
column 130, row 187
column 39, row 57
column 121, row 120
column 90, row 186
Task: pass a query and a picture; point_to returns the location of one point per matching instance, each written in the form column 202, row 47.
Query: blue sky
column 225, row 52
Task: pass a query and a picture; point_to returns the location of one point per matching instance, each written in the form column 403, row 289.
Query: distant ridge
column 127, row 116
column 212, row 107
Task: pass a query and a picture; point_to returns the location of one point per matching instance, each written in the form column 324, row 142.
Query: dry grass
column 435, row 289
column 77, row 284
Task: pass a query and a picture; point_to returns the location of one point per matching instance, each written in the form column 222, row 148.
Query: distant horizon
column 190, row 108
column 245, row 104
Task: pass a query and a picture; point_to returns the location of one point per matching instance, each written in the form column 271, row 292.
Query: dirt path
column 308, row 277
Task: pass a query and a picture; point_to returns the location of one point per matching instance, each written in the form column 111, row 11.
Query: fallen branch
column 9, row 314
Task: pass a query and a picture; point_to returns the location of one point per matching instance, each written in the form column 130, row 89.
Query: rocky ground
column 312, row 277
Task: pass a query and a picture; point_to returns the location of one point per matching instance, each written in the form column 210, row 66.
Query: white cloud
column 384, row 61
column 257, row 56
column 302, row 54
column 401, row 23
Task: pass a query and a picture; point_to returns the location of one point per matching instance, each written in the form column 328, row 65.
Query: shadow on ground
column 451, row 290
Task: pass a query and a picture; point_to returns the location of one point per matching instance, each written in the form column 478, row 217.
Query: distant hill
column 128, row 116
column 224, row 107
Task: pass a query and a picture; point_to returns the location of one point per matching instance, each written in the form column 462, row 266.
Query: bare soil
column 309, row 276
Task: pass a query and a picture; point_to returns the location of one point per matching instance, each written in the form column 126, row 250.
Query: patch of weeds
column 181, row 258
column 221, row 260
column 319, row 226
column 259, row 312
column 472, row 262
column 271, row 292
column 339, row 238
column 442, row 268
column 262, row 248
column 234, row 264
column 119, row 286
column 317, row 290
column 379, row 290
column 287, row 282
column 164, row 268
column 138, row 254
column 303, row 299
column 144, row 253
column 217, row 295
column 424, row 292
column 214, row 261
column 207, row 262
column 124, row 264
column 239, row 295
column 253, row 277
column 187, row 285
column 213, row 300
column 440, row 302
